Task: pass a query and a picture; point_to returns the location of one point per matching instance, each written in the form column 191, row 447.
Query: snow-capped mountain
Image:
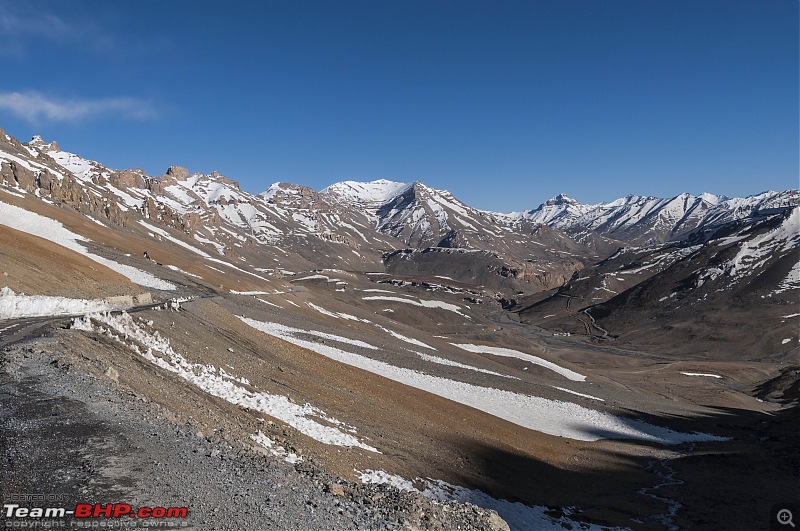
column 718, row 285
column 413, row 212
column 559, row 211
column 644, row 220
column 347, row 225
column 358, row 225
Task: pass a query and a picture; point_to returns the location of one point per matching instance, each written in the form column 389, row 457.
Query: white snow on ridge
column 757, row 251
column 52, row 230
column 509, row 353
column 553, row 417
column 79, row 166
column 674, row 214
column 374, row 192
column 701, row 374
column 13, row 305
column 216, row 382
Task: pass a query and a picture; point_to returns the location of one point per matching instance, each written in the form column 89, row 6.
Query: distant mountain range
column 360, row 226
column 644, row 220
column 414, row 213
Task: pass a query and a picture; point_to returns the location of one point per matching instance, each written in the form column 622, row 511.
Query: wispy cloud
column 22, row 26
column 36, row 108
column 28, row 28
column 33, row 23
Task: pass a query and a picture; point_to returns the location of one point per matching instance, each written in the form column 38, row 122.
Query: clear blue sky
column 503, row 103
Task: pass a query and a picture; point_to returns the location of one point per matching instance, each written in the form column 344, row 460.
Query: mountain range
column 355, row 224
column 559, row 365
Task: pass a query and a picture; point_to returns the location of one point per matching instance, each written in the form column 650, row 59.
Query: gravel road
column 75, row 438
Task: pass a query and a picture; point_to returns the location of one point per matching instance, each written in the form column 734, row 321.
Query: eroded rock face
column 24, row 177
column 128, row 179
column 178, row 173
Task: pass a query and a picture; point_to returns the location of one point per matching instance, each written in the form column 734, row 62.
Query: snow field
column 701, row 374
column 553, row 417
column 419, row 302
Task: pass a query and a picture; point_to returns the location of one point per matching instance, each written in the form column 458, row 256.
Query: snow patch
column 409, row 340
column 278, row 451
column 419, row 302
column 518, row 515
column 336, row 315
column 570, row 391
column 444, row 361
column 509, row 353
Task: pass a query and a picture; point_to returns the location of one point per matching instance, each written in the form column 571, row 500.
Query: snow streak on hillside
column 50, row 229
column 215, row 381
column 554, row 417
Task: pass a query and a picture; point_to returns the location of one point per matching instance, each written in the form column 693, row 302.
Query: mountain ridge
column 359, row 225
column 633, row 218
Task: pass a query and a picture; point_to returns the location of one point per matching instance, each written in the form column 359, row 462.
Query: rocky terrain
column 381, row 355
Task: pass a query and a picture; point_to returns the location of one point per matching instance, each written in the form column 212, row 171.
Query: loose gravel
column 75, row 438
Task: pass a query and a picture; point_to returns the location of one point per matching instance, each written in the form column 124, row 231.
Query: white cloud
column 36, row 108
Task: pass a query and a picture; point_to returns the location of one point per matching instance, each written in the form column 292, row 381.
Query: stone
column 335, row 489
column 112, row 374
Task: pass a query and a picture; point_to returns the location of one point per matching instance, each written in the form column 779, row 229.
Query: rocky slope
column 696, row 297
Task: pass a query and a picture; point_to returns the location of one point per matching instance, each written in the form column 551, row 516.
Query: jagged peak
column 46, row 147
column 558, row 201
column 178, row 172
column 561, row 199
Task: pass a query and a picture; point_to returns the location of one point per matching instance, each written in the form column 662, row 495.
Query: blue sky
column 503, row 103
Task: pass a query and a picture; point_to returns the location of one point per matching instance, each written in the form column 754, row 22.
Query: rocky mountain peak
column 45, row 147
column 178, row 172
column 560, row 199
